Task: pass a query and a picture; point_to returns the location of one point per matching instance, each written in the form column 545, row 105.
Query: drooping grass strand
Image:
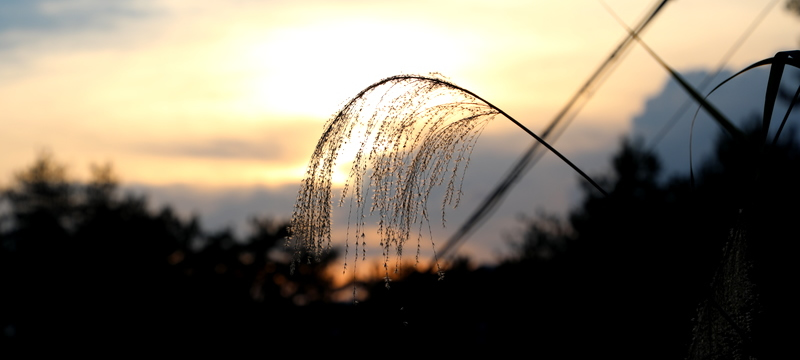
column 411, row 133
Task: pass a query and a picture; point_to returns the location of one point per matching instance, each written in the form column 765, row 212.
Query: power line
column 707, row 80
column 530, row 157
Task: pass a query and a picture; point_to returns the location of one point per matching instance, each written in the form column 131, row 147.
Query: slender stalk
column 499, row 111
column 537, row 138
column 416, row 135
column 716, row 114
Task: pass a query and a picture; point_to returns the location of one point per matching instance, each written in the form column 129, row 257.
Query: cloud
column 57, row 17
column 221, row 208
column 741, row 100
column 223, row 148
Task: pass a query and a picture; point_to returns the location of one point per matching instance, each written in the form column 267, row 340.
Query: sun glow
column 304, row 69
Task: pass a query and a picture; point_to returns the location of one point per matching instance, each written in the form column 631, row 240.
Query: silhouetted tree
column 82, row 263
column 643, row 258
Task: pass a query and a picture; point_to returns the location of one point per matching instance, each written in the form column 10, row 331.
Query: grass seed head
column 411, row 133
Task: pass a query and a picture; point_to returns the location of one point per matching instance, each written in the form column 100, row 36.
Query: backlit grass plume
column 406, row 135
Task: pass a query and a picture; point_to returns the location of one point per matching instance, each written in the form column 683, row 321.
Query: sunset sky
column 216, row 106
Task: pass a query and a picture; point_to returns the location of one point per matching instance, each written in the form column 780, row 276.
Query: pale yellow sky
column 235, row 93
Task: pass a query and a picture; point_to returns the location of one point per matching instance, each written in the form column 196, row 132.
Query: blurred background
column 152, row 152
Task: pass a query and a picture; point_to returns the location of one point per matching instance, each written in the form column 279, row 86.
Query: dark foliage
column 633, row 270
column 85, row 268
column 624, row 275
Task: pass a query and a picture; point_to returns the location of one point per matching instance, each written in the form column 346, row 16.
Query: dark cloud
column 741, row 100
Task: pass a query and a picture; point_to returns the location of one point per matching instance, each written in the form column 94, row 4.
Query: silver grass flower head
column 412, row 133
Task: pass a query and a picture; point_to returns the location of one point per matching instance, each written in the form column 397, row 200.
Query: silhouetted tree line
column 642, row 273
column 82, row 264
column 631, row 275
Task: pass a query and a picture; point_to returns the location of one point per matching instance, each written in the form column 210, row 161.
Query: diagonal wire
column 707, row 79
column 532, row 155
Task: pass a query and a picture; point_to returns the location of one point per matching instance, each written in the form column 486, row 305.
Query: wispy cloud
column 224, row 148
column 57, row 17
